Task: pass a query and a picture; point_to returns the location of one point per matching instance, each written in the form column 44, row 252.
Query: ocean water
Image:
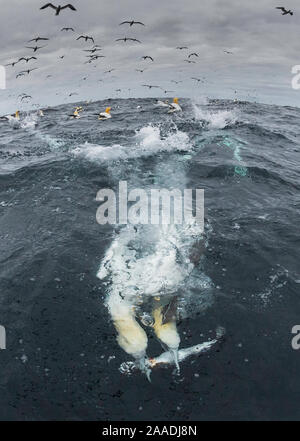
column 60, row 269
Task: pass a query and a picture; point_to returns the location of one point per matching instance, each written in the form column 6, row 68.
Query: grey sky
column 265, row 46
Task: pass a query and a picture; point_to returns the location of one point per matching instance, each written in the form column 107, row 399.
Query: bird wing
column 81, row 36
column 281, row 8
column 139, row 22
column 124, row 22
column 48, row 5
column 69, row 6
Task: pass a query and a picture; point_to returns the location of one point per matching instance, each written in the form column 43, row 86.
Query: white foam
column 215, row 119
column 147, row 141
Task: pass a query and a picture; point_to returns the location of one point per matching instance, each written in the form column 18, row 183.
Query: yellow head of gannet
column 17, row 114
column 175, row 101
column 107, row 110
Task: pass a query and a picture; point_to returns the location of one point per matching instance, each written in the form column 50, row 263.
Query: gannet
column 175, row 107
column 105, row 115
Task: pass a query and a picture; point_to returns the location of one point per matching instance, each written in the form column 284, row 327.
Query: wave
column 148, row 141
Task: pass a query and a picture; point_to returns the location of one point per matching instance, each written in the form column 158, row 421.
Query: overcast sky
column 264, row 43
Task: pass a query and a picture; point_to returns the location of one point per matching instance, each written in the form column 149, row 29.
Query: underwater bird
column 37, row 39
column 36, row 48
column 284, row 11
column 147, row 57
column 27, row 59
column 128, row 39
column 105, row 115
column 59, row 8
column 68, row 29
column 86, row 38
column 132, row 22
column 175, row 107
column 194, row 54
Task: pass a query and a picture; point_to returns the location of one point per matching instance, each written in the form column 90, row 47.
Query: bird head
column 175, row 100
column 107, row 110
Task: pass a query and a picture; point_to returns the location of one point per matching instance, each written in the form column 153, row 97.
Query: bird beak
column 174, row 353
column 142, row 364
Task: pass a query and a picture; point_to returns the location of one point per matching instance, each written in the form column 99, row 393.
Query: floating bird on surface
column 35, row 48
column 284, row 11
column 105, row 115
column 181, row 47
column 86, row 38
column 13, row 63
column 132, row 22
column 59, row 8
column 175, row 107
column 128, row 39
column 68, row 29
column 147, row 57
column 194, row 54
column 38, row 39
column 27, row 59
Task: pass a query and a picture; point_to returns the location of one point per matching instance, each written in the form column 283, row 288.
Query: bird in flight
column 197, row 79
column 28, row 71
column 181, row 47
column 35, row 48
column 21, row 74
column 176, row 82
column 86, row 38
column 58, row 8
column 193, row 55
column 25, row 97
column 67, row 29
column 146, row 57
column 132, row 22
column 284, row 11
column 140, row 70
column 38, row 39
column 228, row 52
column 13, row 63
column 168, row 91
column 27, row 59
column 109, row 71
column 95, row 49
column 128, row 39
column 150, row 86
column 62, row 57
column 190, row 61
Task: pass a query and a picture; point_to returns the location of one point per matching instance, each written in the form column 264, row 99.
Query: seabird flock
column 94, row 56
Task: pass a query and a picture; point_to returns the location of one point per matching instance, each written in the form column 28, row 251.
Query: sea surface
column 62, row 360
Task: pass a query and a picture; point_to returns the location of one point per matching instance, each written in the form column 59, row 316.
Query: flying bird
column 193, row 55
column 176, row 82
column 38, row 39
column 68, row 29
column 128, row 39
column 27, row 59
column 132, row 22
column 140, row 70
column 21, row 74
column 197, row 79
column 150, row 86
column 190, row 61
column 58, row 8
column 228, row 52
column 86, row 38
column 146, row 57
column 62, row 57
column 284, row 11
column 13, row 63
column 28, row 71
column 109, row 71
column 168, row 91
column 95, row 49
column 181, row 47
column 25, row 97
column 35, row 48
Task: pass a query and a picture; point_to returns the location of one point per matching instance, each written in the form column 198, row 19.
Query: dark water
column 62, row 359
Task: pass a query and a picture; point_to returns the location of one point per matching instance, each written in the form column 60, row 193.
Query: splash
column 215, row 120
column 148, row 141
